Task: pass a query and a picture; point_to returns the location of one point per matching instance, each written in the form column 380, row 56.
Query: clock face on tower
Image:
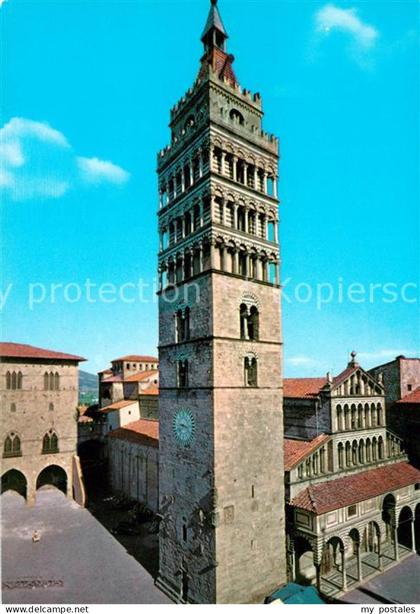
column 184, row 426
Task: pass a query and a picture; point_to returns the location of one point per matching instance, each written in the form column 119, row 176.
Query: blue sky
column 88, row 88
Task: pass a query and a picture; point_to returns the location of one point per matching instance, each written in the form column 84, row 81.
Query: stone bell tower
column 221, row 421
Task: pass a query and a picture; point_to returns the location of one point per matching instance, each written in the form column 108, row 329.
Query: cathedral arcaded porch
column 331, row 584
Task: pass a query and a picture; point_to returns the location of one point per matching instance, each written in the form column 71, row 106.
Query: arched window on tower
column 236, row 117
column 249, row 322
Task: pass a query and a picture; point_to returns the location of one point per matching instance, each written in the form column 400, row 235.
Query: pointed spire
column 214, row 33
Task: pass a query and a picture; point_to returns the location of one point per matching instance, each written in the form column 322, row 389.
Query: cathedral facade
column 220, row 351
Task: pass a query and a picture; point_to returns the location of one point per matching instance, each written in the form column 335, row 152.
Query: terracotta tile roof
column 21, row 350
column 151, row 390
column 302, row 387
column 136, row 358
column 335, row 494
column 141, row 431
column 411, row 397
column 345, row 374
column 112, row 380
column 295, row 450
column 141, row 376
column 116, row 406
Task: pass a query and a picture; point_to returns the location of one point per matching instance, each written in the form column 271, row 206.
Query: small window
column 184, row 532
column 182, row 373
column 251, row 371
column 13, row 407
column 409, row 387
column 352, row 511
column 417, row 486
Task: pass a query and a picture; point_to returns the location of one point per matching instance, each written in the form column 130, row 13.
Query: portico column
column 174, row 184
column 265, row 183
column 200, row 164
column 223, row 205
column 201, row 212
column 396, row 549
column 192, row 220
column 236, row 262
column 245, row 173
column 222, row 257
column 212, row 255
column 212, row 208
column 265, row 227
column 276, row 232
column 380, row 562
column 201, row 259
column 182, row 180
column 343, row 568
column 235, row 160
column 181, row 276
column 190, row 165
column 246, row 213
column 235, row 216
column 318, row 575
column 413, row 536
column 183, row 226
column 275, row 179
column 359, row 563
column 255, row 178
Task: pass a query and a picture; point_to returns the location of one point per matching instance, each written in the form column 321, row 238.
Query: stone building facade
column 220, row 405
column 405, row 416
column 353, row 498
column 39, row 397
column 134, row 461
column 401, row 378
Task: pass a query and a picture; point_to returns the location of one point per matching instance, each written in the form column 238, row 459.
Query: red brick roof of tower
column 295, row 450
column 348, row 490
column 21, row 350
column 141, row 431
column 302, row 387
column 412, row 397
column 221, row 63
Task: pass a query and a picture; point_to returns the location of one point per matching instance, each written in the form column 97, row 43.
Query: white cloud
column 94, row 171
column 384, row 355
column 331, row 17
column 360, row 38
column 37, row 161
